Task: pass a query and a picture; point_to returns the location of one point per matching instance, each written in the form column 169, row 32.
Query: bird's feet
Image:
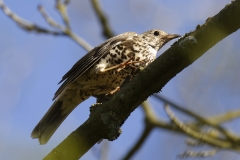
column 113, row 91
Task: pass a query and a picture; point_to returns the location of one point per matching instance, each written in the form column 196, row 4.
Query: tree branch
column 206, row 121
column 201, row 154
column 105, row 120
column 49, row 20
column 149, row 115
column 147, row 130
column 106, row 30
column 64, row 31
column 198, row 135
column 62, row 8
column 26, row 25
column 152, row 122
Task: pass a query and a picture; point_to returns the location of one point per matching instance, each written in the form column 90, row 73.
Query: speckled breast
column 120, row 53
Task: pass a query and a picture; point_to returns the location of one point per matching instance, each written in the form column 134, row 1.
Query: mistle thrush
column 100, row 71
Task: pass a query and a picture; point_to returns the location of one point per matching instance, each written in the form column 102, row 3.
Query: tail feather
column 50, row 122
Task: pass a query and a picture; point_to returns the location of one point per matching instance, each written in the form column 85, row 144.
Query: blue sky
column 32, row 64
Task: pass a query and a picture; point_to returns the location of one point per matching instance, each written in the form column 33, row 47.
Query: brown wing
column 91, row 58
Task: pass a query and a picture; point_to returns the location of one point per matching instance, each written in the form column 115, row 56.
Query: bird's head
column 157, row 38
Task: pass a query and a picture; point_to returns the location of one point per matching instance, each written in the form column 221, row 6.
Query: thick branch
column 105, row 121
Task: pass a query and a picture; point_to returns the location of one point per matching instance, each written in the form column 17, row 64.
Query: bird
column 101, row 72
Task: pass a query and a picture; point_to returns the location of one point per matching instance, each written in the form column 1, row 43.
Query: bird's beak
column 171, row 36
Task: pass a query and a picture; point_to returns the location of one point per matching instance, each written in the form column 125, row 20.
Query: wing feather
column 91, row 58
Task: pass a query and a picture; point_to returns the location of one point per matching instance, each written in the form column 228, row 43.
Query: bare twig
column 49, row 20
column 214, row 124
column 151, row 122
column 64, row 31
column 24, row 24
column 147, row 130
column 106, row 30
column 202, row 154
column 227, row 116
column 79, row 41
column 194, row 142
column 198, row 135
column 61, row 7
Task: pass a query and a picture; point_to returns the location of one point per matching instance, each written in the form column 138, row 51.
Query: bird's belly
column 102, row 83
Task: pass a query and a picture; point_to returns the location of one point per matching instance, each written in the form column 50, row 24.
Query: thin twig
column 225, row 117
column 140, row 141
column 106, row 30
column 151, row 122
column 49, row 20
column 201, row 154
column 147, row 130
column 24, row 24
column 65, row 30
column 61, row 7
column 214, row 124
column 198, row 135
column 28, row 26
column 194, row 142
column 80, row 41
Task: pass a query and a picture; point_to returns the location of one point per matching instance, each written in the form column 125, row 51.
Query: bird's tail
column 56, row 114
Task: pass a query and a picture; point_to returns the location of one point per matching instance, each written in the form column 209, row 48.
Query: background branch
column 106, row 30
column 201, row 154
column 49, row 20
column 153, row 122
column 206, row 121
column 24, row 24
column 145, row 133
column 62, row 8
column 198, row 135
column 64, row 31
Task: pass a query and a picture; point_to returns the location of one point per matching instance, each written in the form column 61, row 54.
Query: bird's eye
column 156, row 33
